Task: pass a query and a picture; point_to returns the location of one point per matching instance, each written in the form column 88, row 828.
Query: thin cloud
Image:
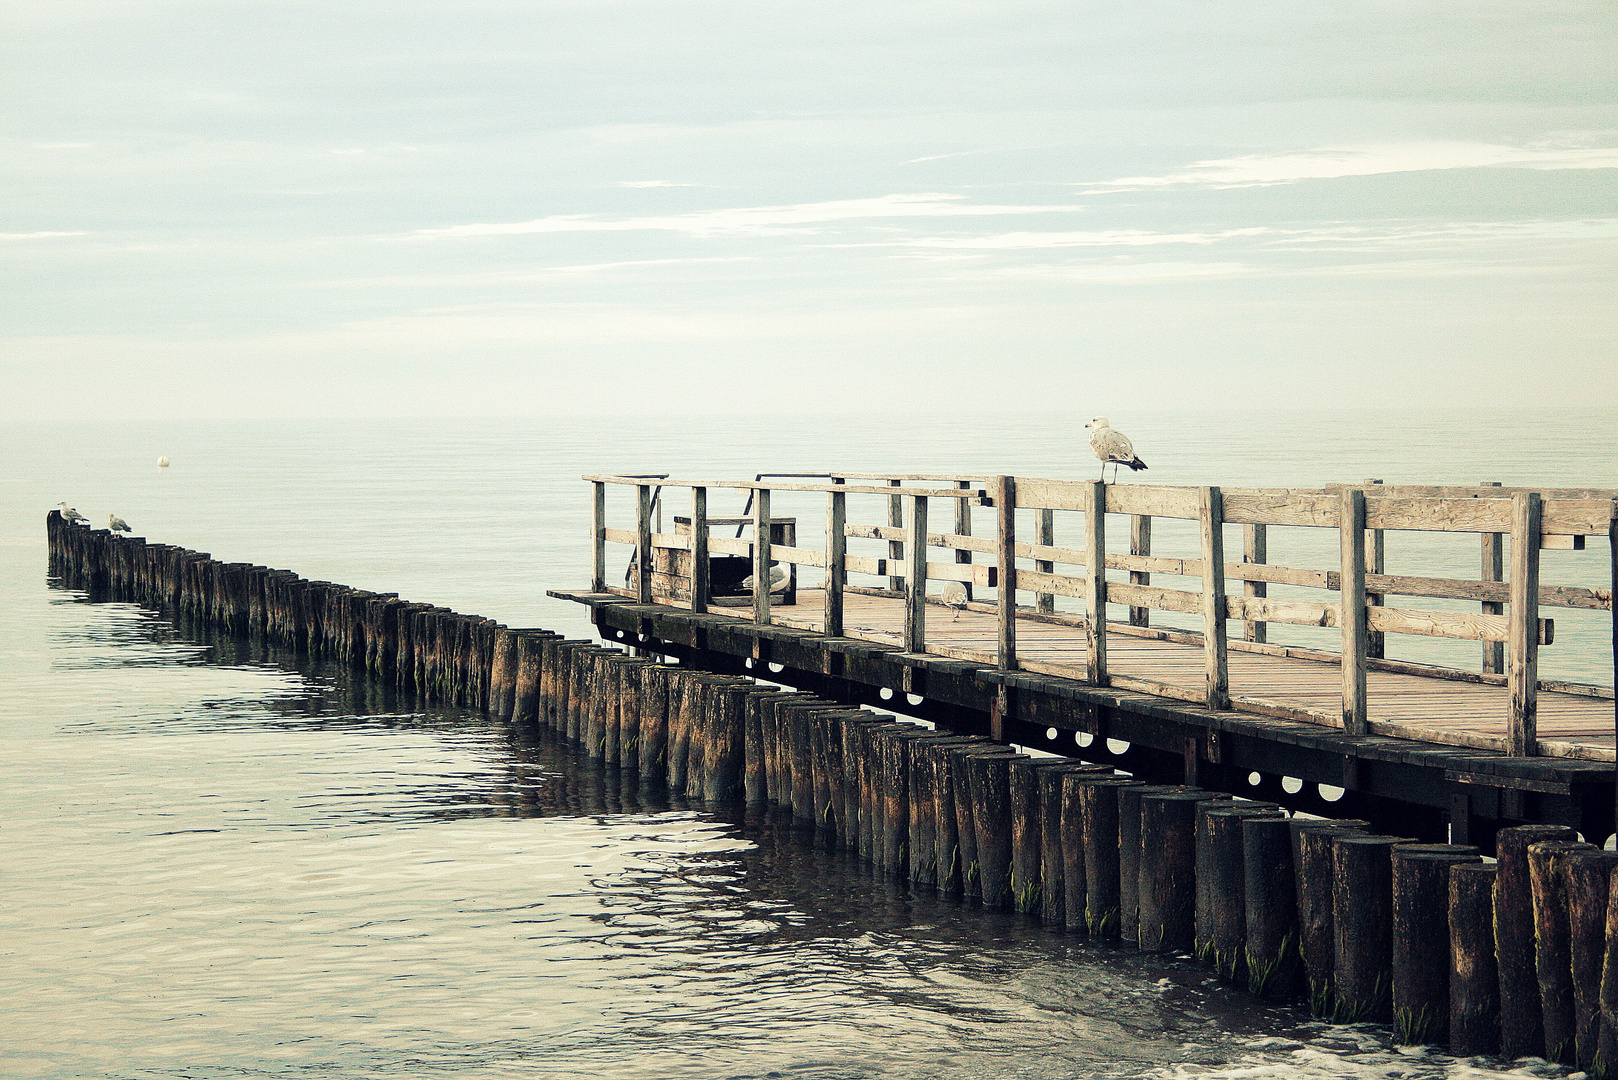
column 1023, row 241
column 39, row 235
column 759, row 220
column 1325, row 163
column 652, row 184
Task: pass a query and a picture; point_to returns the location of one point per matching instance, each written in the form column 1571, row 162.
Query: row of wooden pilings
column 1516, row 956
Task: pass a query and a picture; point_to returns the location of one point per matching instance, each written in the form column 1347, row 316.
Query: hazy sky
column 233, row 207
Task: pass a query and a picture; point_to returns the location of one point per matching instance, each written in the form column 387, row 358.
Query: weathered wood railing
column 1534, row 519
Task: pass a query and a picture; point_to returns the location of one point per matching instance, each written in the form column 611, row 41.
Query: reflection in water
column 222, row 860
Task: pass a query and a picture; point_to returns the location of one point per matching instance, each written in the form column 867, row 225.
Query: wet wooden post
column 761, row 556
column 1270, row 902
column 1255, row 552
column 1027, row 847
column 989, row 778
column 1211, row 517
column 722, row 763
column 699, row 550
column 1362, row 921
column 836, row 560
column 1168, row 878
column 1421, row 939
column 1607, row 1040
column 643, row 543
column 1312, row 854
column 1589, row 877
column 654, row 721
column 1522, row 1032
column 1045, row 533
column 1474, row 989
column 1061, row 858
column 1129, row 856
column 677, row 743
column 915, row 632
column 1005, row 507
column 1553, row 962
column 1140, row 543
column 1101, row 840
column 598, row 537
column 1522, row 676
column 1221, row 883
column 1351, row 535
column 1095, row 585
column 1494, row 569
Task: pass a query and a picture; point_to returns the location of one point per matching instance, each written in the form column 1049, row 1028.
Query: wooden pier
column 1463, row 751
column 1363, row 922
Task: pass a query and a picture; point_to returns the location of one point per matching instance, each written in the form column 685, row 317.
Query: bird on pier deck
column 70, row 515
column 778, row 578
column 1112, row 446
column 117, row 524
column 954, row 595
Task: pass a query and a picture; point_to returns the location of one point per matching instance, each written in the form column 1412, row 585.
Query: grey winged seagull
column 117, row 524
column 1112, row 446
column 954, row 595
column 70, row 515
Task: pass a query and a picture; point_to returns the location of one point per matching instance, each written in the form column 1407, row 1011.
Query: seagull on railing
column 954, row 595
column 117, row 524
column 70, row 515
column 1113, row 446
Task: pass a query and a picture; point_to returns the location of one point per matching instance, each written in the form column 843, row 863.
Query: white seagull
column 117, row 524
column 70, row 515
column 1113, row 446
column 162, row 463
column 778, row 578
column 954, row 595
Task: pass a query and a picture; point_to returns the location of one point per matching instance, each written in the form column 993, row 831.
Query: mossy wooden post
column 990, row 783
column 1312, row 854
column 1097, row 825
column 631, row 722
column 1221, row 886
column 856, row 813
column 952, row 801
column 525, row 690
column 722, row 764
column 682, row 684
column 1168, row 875
column 1129, row 856
column 1474, row 988
column 1061, row 846
column 698, row 710
column 1421, row 940
column 1607, row 1041
column 923, row 808
column 1270, row 908
column 1362, row 922
column 611, row 710
column 1026, row 841
column 1522, row 1031
column 1553, row 962
column 753, row 768
column 654, row 721
column 894, row 764
column 1589, row 875
column 803, row 766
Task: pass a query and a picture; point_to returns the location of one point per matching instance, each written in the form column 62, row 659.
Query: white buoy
column 162, row 463
column 117, row 524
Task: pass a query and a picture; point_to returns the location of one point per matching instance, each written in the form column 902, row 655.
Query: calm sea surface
column 222, row 861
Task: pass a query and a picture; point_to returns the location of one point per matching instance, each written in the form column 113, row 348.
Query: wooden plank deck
column 1408, row 706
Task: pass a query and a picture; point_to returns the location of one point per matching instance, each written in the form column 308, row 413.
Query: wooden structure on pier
column 1023, row 655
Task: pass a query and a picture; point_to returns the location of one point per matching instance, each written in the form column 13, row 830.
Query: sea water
column 221, row 860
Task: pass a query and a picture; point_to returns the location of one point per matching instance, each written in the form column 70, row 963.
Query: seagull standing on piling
column 954, row 595
column 70, row 515
column 117, row 524
column 1113, row 446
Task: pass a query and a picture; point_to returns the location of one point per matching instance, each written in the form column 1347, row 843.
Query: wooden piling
column 654, row 722
column 1474, row 988
column 1027, row 839
column 1421, row 939
column 1095, row 817
column 1129, row 856
column 1061, row 850
column 1553, row 962
column 722, row 761
column 1270, row 909
column 1522, row 1031
column 1312, row 854
column 1607, row 1041
column 1362, row 922
column 1589, row 876
column 1168, row 875
column 989, row 781
column 1221, row 884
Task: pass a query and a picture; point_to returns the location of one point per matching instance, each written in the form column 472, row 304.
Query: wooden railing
column 1507, row 623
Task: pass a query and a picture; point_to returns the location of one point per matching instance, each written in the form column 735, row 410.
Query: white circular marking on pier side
column 1118, row 746
column 1083, row 738
column 1291, row 785
column 1330, row 793
column 914, row 699
column 1051, row 734
column 885, row 694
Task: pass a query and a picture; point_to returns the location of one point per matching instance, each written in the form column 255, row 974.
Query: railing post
column 1255, row 551
column 1045, row 533
column 1522, row 678
column 1494, row 569
column 963, row 527
column 1216, row 654
column 1005, row 516
column 1095, row 585
column 761, row 556
column 1375, row 563
column 643, row 543
column 916, row 578
column 836, row 559
column 598, row 537
column 1351, row 540
column 1140, row 543
column 699, row 549
column 896, row 520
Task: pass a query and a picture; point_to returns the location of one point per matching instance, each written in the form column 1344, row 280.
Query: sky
column 618, row 207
